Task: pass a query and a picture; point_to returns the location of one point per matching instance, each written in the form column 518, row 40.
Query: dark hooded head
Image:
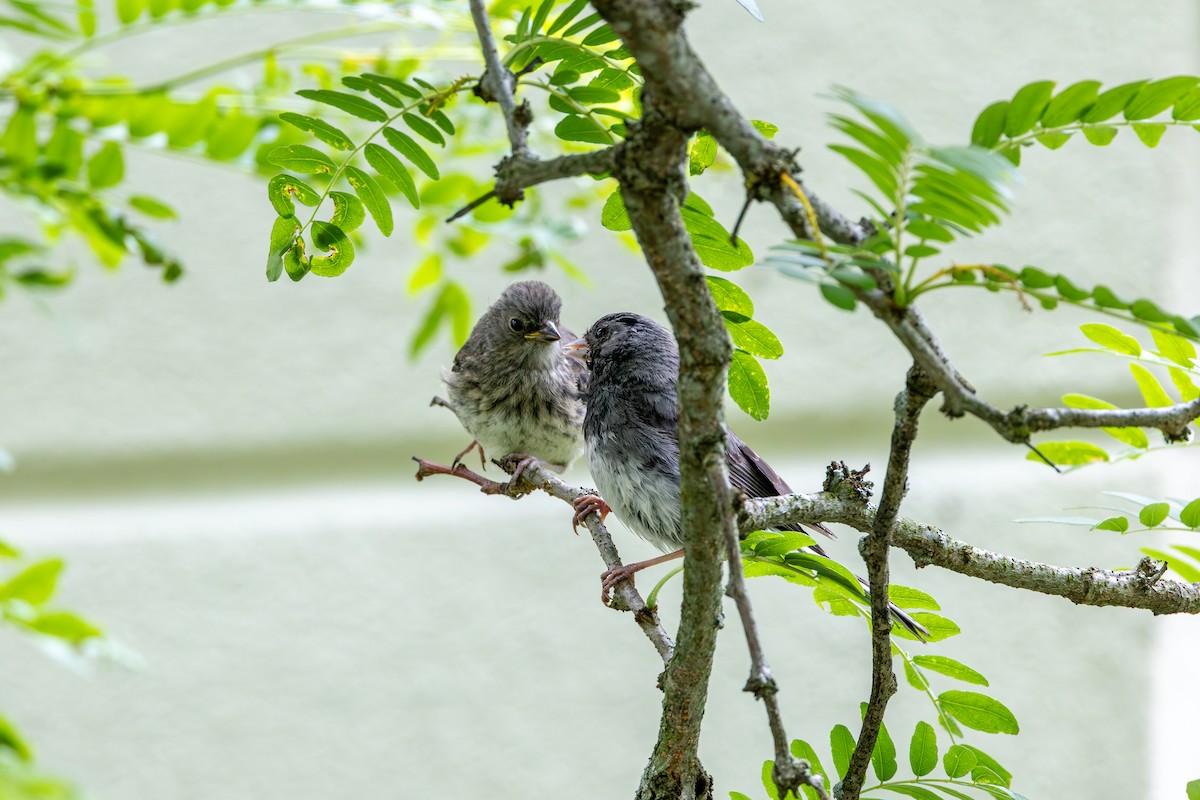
column 628, row 345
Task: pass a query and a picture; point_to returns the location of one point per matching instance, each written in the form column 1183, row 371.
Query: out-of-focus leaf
column 319, row 128
column 350, row 103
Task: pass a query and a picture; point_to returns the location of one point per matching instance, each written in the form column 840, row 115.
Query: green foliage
column 924, row 196
column 28, row 591
column 1171, row 353
column 1036, row 115
column 969, row 772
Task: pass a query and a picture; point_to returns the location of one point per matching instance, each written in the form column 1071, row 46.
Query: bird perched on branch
column 632, row 442
column 514, row 388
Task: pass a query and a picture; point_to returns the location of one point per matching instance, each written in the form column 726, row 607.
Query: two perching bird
column 519, row 388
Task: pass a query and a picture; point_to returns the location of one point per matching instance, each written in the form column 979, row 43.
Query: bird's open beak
column 548, row 332
column 578, row 348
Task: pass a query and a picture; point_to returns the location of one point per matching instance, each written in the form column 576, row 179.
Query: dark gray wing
column 754, row 476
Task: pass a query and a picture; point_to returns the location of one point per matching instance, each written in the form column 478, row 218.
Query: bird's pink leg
column 612, row 577
column 473, row 445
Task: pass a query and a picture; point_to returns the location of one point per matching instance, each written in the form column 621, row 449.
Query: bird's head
column 627, row 342
column 526, row 315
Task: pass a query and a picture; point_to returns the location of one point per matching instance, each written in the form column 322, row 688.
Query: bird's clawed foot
column 586, row 504
column 516, row 464
column 472, row 446
column 610, row 578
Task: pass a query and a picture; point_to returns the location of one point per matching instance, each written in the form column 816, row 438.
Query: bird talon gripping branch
column 586, row 504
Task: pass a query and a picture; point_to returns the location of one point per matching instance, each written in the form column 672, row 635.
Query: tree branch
column 536, row 476
column 1016, row 425
column 930, row 546
column 875, row 547
column 650, row 171
column 789, row 773
column 498, row 82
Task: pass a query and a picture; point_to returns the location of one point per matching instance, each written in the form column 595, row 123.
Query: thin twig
column 471, row 206
column 875, row 547
column 789, row 773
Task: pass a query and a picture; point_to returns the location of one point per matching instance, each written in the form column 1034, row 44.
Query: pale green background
column 225, row 465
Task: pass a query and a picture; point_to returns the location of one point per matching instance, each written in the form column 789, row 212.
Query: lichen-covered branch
column 930, row 546
column 649, row 171
column 875, row 547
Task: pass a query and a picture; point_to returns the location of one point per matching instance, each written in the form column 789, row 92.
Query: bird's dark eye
column 515, row 324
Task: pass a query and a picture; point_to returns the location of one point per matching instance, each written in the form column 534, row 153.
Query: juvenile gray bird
column 514, row 388
column 632, row 441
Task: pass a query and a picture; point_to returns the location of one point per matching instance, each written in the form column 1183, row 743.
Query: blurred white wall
column 225, row 464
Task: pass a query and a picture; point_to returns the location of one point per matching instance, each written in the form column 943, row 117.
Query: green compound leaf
column 11, row 740
column 703, row 153
column 841, row 743
column 350, row 103
column 283, row 237
column 1157, row 96
column 322, row 130
column 407, row 146
column 1190, row 515
column 151, row 207
column 65, row 625
column 753, row 337
column 983, row 760
column 958, row 761
column 1112, row 102
column 923, row 750
column 939, row 627
column 35, row 584
column 1118, row 524
column 883, row 755
column 748, row 385
column 979, row 712
column 575, row 128
column 301, row 158
column 1174, row 347
column 1152, row 391
column 1111, row 338
column 613, row 216
column 371, row 194
column 282, row 188
column 1154, row 514
column 951, row 668
column 908, row 597
column 727, row 295
column 332, row 239
column 373, row 87
column 839, row 295
column 1026, row 107
column 348, row 211
column 1069, row 104
column 389, row 166
column 107, row 167
column 424, row 128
